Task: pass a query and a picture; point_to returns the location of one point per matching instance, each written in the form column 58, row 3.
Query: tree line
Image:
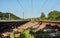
column 53, row 15
column 5, row 16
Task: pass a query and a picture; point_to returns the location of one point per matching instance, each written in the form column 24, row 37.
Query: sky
column 30, row 8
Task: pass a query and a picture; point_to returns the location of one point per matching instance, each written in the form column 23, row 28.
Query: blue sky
column 31, row 8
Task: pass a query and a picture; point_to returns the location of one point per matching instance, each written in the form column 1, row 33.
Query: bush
column 12, row 35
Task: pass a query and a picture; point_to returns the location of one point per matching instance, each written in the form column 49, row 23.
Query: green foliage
column 22, row 36
column 5, row 16
column 26, row 34
column 12, row 35
column 39, row 34
column 42, row 17
column 30, row 34
column 54, row 15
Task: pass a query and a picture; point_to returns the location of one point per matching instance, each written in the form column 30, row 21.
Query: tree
column 54, row 15
column 42, row 17
column 58, row 17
